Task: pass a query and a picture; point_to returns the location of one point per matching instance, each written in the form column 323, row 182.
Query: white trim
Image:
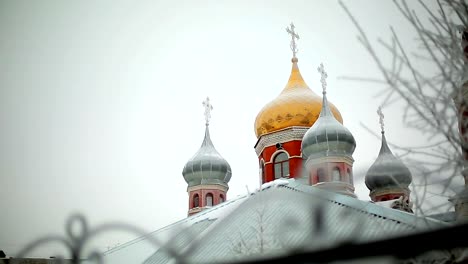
column 319, row 160
column 280, row 136
column 290, row 157
column 207, row 186
column 276, row 153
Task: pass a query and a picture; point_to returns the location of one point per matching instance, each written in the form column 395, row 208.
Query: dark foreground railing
column 445, row 245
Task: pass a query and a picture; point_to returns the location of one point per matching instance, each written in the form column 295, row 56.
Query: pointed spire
column 207, row 140
column 295, row 78
column 323, row 79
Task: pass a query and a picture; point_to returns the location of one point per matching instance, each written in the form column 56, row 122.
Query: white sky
column 101, row 102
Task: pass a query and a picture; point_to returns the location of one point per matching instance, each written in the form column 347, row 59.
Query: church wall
column 293, row 149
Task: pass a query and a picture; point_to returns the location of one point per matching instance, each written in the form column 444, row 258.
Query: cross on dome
column 294, row 36
column 323, row 79
column 381, row 118
column 208, row 107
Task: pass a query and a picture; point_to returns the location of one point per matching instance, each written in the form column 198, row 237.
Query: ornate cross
column 381, row 118
column 323, row 79
column 294, row 36
column 208, row 108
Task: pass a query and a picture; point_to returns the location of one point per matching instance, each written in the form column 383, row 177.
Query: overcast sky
column 101, row 101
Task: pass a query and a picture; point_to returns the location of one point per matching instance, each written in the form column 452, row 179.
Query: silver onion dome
column 387, row 170
column 327, row 135
column 207, row 166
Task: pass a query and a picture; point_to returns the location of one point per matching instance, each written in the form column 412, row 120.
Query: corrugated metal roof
column 281, row 219
column 297, row 218
column 140, row 249
column 179, row 242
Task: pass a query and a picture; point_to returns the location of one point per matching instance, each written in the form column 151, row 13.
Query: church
column 306, row 198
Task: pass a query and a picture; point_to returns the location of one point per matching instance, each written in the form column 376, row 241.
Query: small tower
column 388, row 178
column 327, row 148
column 207, row 173
column 282, row 123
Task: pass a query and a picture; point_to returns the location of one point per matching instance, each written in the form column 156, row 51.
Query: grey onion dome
column 207, row 166
column 387, row 170
column 327, row 135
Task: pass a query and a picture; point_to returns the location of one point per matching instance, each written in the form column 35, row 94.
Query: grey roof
column 282, row 218
column 327, row 135
column 181, row 240
column 387, row 170
column 207, row 166
column 141, row 248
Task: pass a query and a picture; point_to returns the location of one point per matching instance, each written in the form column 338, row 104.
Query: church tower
column 282, row 123
column 327, row 149
column 207, row 173
column 388, row 178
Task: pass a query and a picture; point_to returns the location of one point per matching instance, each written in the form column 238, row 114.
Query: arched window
column 209, row 200
column 321, row 175
column 336, row 174
column 221, row 198
column 196, row 201
column 281, row 164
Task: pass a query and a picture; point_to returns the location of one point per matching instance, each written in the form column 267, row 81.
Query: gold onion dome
column 296, row 105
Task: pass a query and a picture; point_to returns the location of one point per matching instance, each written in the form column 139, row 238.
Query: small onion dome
column 327, row 135
column 296, row 105
column 207, row 166
column 387, row 170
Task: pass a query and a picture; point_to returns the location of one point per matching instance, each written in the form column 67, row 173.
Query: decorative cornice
column 280, row 136
column 207, row 187
column 391, row 190
column 321, row 160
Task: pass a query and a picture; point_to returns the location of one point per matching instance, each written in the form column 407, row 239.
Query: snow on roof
column 139, row 249
column 275, row 183
column 273, row 221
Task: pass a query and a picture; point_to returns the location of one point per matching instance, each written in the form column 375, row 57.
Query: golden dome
column 296, row 105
